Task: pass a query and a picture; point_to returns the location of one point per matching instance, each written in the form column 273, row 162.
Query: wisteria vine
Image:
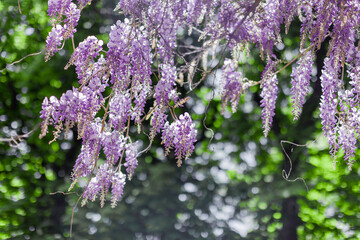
column 147, row 40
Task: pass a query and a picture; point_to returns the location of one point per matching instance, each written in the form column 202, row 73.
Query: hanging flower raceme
column 57, row 8
column 72, row 14
column 129, row 58
column 197, row 10
column 165, row 90
column 117, row 188
column 180, row 135
column 300, row 82
column 131, row 158
column 165, row 17
column 157, row 121
column 65, row 16
column 113, row 143
column 268, row 25
column 269, row 94
column 347, row 141
column 53, row 41
column 131, row 7
column 233, row 85
column 99, row 185
column 329, row 103
column 47, row 112
column 84, row 57
column 87, row 159
column 107, row 174
column 129, row 54
column 119, row 110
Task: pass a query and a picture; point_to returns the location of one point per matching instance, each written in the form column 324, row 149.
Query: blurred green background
column 231, row 187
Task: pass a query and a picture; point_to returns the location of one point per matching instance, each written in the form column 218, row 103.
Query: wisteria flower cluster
column 300, row 82
column 269, row 94
column 233, row 85
column 141, row 66
column 180, row 135
column 65, row 16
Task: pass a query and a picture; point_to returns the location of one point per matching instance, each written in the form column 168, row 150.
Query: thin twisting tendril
column 285, row 174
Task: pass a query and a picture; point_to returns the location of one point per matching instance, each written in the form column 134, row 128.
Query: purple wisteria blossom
column 57, row 7
column 129, row 58
column 269, row 25
column 157, row 121
column 53, row 41
column 65, row 16
column 72, row 15
column 269, row 95
column 228, row 22
column 74, row 104
column 118, row 183
column 73, row 107
column 164, row 16
column 84, row 57
column 113, row 143
column 234, row 23
column 196, row 9
column 289, row 9
column 99, row 185
column 329, row 103
column 233, row 85
column 325, row 13
column 46, row 114
column 131, row 158
column 140, row 92
column 348, row 121
column 129, row 55
column 165, row 90
column 339, row 107
column 85, row 161
column 347, row 141
column 181, row 135
column 133, row 7
column 120, row 109
column 300, row 82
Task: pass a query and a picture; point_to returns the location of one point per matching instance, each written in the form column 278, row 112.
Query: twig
column 293, row 60
column 302, row 53
column 29, row 55
column 248, row 11
column 19, row 6
column 73, row 43
column 63, row 193
column 15, row 140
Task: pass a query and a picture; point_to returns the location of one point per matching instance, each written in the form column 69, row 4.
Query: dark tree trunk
column 291, row 220
column 290, row 208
